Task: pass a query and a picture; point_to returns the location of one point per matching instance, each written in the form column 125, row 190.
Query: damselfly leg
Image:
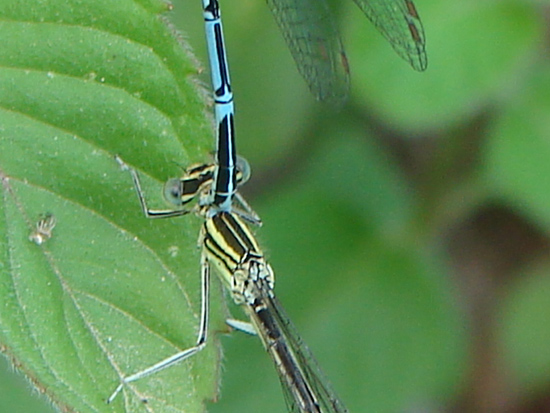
column 182, row 355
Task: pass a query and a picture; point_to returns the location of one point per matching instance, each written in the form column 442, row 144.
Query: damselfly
column 313, row 38
column 229, row 246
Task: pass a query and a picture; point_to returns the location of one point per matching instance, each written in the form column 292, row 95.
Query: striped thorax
column 232, row 249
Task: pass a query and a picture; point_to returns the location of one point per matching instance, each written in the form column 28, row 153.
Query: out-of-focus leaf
column 523, row 330
column 518, row 150
column 361, row 174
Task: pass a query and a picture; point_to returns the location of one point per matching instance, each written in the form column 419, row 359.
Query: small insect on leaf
column 43, row 229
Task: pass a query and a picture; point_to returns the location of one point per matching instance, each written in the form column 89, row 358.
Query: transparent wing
column 286, row 339
column 400, row 24
column 312, row 36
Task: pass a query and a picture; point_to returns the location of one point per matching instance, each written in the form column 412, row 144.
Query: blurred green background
column 408, row 231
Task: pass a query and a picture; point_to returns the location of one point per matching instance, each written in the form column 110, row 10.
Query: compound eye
column 173, row 191
column 243, row 169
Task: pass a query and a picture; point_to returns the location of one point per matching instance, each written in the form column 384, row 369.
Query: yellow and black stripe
column 229, row 244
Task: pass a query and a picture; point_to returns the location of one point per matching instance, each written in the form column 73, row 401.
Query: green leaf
column 518, row 150
column 110, row 293
column 523, row 331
